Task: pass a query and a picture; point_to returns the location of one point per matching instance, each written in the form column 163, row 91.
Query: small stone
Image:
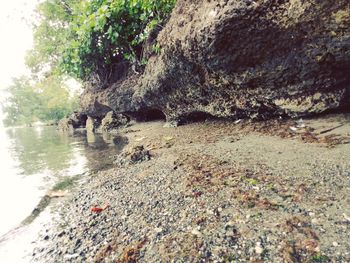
column 71, row 256
column 210, row 212
column 258, row 248
column 346, row 217
column 230, row 223
column 61, row 233
column 195, row 232
column 158, row 230
column 335, row 244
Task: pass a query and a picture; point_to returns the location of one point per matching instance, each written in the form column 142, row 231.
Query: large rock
column 132, row 155
column 244, row 58
column 74, row 121
column 65, row 125
column 92, row 124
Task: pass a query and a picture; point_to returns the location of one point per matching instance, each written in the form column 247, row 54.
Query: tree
column 50, row 35
column 30, row 101
column 80, row 38
column 55, row 98
column 23, row 105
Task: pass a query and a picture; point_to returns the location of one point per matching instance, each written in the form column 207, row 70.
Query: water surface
column 34, row 159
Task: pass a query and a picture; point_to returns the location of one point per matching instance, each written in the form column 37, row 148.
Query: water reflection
column 36, row 150
column 98, row 149
column 39, row 157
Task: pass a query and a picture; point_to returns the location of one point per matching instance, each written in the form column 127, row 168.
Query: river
column 33, row 160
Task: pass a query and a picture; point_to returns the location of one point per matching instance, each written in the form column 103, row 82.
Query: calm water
column 34, row 159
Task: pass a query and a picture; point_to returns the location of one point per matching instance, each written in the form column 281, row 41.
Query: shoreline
column 213, row 191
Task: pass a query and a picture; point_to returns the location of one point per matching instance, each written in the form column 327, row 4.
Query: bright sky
column 16, row 17
column 16, row 37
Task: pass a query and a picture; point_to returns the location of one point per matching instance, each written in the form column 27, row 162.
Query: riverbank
column 275, row 191
column 38, row 164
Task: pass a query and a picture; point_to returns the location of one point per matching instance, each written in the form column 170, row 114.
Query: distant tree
column 23, row 105
column 55, row 98
column 47, row 100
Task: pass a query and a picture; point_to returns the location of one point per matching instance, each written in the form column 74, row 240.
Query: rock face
column 97, row 102
column 242, row 58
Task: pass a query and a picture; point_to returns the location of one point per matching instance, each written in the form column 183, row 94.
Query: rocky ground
column 275, row 191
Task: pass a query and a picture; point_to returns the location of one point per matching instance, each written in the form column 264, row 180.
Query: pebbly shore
column 276, row 191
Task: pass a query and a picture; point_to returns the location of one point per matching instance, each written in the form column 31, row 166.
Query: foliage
column 23, row 104
column 81, row 38
column 47, row 100
column 50, row 35
column 90, row 36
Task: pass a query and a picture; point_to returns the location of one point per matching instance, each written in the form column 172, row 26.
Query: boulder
column 78, row 119
column 74, row 121
column 132, row 155
column 139, row 154
column 242, row 58
column 65, row 125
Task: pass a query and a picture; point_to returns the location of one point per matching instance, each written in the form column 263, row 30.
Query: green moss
column 258, row 215
column 65, row 183
column 319, row 258
column 251, row 181
column 270, row 186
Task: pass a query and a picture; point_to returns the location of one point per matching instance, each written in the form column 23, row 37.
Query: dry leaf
column 58, row 193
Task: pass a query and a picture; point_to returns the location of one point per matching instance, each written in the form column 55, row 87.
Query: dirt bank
column 215, row 192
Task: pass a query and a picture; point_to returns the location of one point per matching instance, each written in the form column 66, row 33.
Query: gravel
column 209, row 192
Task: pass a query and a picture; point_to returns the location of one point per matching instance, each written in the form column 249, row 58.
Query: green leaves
column 81, row 37
column 47, row 100
column 30, row 101
column 156, row 48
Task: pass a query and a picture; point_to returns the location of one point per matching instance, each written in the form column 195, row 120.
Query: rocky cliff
column 240, row 58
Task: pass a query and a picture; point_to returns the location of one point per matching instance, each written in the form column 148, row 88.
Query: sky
column 16, row 37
